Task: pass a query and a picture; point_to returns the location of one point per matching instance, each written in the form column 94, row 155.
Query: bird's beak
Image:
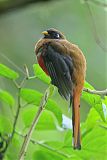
column 45, row 33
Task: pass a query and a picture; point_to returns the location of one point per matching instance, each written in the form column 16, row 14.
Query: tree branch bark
column 103, row 92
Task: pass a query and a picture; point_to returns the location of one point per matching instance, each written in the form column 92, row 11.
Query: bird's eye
column 57, row 35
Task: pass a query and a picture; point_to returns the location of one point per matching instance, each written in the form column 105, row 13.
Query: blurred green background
column 21, row 24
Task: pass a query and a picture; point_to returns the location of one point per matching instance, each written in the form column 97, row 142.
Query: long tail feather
column 76, row 122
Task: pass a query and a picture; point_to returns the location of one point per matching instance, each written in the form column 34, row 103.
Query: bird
column 65, row 63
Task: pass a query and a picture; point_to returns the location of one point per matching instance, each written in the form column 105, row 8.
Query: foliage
column 93, row 129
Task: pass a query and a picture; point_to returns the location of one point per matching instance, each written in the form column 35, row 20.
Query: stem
column 103, row 92
column 34, row 123
column 17, row 114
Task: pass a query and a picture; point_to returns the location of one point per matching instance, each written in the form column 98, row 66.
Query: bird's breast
column 42, row 64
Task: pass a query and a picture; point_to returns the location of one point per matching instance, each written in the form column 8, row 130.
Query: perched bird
column 65, row 63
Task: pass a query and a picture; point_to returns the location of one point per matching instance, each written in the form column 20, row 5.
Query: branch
column 17, row 114
column 34, row 123
column 19, row 104
column 45, row 146
column 103, row 92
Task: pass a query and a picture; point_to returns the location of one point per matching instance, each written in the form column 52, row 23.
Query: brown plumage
column 65, row 63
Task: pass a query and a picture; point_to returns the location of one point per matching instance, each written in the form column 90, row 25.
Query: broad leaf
column 41, row 74
column 14, row 146
column 35, row 97
column 31, row 96
column 95, row 142
column 53, row 107
column 55, row 144
column 7, row 72
column 46, row 121
column 94, row 101
column 68, row 138
column 93, row 119
column 5, row 125
column 94, row 145
column 6, row 97
column 46, row 155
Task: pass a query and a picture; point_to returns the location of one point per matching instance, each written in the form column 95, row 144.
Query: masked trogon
column 65, row 63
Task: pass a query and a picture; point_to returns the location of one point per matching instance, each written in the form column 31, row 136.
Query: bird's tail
column 76, row 121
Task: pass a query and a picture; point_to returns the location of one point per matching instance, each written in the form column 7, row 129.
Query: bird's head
column 53, row 34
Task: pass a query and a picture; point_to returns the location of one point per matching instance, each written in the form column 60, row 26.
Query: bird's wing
column 60, row 68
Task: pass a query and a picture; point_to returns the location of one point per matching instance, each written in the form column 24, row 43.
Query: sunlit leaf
column 35, row 97
column 68, row 138
column 94, row 101
column 53, row 107
column 31, row 96
column 95, row 142
column 6, row 97
column 46, row 121
column 46, row 155
column 14, row 146
column 41, row 74
column 5, row 125
column 94, row 145
column 89, row 86
column 93, row 119
column 7, row 72
column 55, row 144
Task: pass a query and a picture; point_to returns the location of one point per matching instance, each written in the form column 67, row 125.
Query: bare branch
column 34, row 123
column 103, row 92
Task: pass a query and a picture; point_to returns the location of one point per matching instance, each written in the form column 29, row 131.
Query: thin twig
column 34, row 123
column 16, row 84
column 27, row 73
column 17, row 114
column 45, row 146
column 103, row 92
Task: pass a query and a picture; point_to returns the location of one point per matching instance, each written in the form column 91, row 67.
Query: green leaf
column 34, row 97
column 41, row 74
column 89, row 86
column 6, row 97
column 50, row 90
column 95, row 143
column 55, row 144
column 94, row 101
column 31, row 96
column 46, row 121
column 14, row 146
column 92, row 120
column 53, row 107
column 5, row 125
column 68, row 138
column 7, row 72
column 46, row 155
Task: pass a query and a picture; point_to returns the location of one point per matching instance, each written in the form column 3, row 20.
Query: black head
column 53, row 34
